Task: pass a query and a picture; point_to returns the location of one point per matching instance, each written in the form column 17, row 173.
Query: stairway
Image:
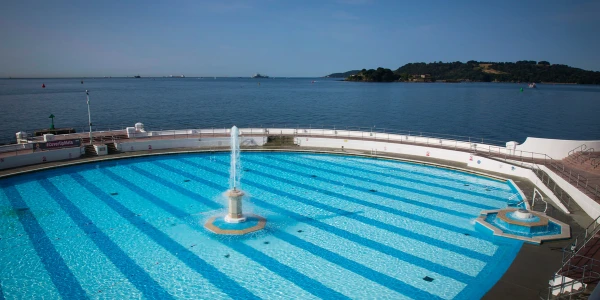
column 584, row 157
column 112, row 148
column 280, row 140
column 90, row 151
column 585, row 263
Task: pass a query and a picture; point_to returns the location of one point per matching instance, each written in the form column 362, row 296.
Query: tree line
column 520, row 71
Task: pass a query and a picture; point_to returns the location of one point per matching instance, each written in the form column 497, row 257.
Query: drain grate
column 114, row 194
column 428, row 279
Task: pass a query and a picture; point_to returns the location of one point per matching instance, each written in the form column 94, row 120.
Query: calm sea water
column 492, row 111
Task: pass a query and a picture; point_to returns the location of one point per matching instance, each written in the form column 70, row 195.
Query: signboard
column 57, row 144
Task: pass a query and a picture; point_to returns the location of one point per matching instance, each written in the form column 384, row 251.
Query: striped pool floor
column 338, row 227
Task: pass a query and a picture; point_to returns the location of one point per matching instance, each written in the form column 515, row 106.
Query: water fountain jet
column 235, row 222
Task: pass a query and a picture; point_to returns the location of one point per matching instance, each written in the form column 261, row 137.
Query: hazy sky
column 286, row 37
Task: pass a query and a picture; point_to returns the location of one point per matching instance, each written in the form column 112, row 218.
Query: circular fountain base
column 229, row 219
column 221, row 225
column 522, row 214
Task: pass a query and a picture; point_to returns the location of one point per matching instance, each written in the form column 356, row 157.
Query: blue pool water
column 337, row 227
column 551, row 229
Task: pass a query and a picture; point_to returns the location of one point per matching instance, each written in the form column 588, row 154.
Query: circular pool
column 338, row 227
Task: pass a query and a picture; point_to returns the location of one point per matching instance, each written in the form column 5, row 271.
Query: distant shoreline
column 456, row 82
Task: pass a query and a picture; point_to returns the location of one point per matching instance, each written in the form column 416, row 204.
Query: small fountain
column 523, row 224
column 235, row 222
column 234, row 195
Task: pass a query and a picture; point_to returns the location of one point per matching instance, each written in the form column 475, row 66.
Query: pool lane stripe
column 382, row 225
column 363, row 219
column 403, row 179
column 212, row 274
column 492, row 272
column 65, row 282
column 373, row 275
column 177, row 188
column 369, row 162
column 407, row 257
column 308, row 284
column 393, row 211
column 403, row 188
column 134, row 273
column 144, row 193
column 379, row 193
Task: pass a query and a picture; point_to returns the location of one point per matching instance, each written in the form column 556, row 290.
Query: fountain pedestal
column 235, row 207
column 235, row 223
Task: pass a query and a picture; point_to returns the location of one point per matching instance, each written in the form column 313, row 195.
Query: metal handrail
column 587, row 235
column 595, row 162
column 558, row 167
column 586, row 274
column 535, row 191
column 583, row 147
column 585, row 155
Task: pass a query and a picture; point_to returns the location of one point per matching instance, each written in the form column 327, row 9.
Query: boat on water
column 137, row 76
column 532, row 85
column 257, row 75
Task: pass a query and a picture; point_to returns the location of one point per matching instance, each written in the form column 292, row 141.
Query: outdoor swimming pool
column 338, row 227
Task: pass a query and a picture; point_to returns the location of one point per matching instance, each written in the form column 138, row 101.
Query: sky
column 286, row 38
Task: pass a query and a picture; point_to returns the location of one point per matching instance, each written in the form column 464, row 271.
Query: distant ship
column 177, row 76
column 137, row 76
column 257, row 75
column 532, row 85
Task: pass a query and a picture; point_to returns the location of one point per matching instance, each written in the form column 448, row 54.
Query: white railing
column 536, row 192
column 479, row 146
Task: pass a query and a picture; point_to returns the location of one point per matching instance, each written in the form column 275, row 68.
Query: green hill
column 521, row 71
column 342, row 75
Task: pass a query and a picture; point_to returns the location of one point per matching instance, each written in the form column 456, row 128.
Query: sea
column 494, row 112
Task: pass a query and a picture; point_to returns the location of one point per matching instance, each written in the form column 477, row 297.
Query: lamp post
column 87, row 94
column 52, row 117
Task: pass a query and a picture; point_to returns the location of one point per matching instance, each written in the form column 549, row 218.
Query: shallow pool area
column 338, row 227
column 550, row 229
